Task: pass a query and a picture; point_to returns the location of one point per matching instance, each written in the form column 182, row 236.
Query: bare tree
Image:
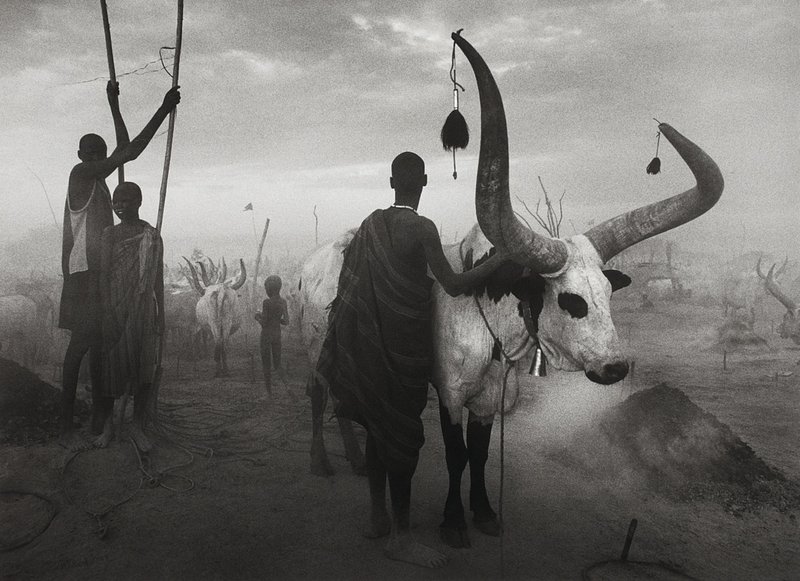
column 551, row 221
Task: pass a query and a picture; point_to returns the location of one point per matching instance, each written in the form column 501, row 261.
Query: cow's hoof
column 456, row 538
column 488, row 525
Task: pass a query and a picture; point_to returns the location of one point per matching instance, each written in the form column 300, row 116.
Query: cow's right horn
column 242, row 276
column 492, row 198
column 193, row 280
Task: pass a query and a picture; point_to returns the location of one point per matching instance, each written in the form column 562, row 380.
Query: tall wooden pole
column 258, row 264
column 153, row 396
column 171, row 128
column 112, row 73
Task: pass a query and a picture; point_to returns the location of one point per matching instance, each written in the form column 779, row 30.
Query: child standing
column 274, row 313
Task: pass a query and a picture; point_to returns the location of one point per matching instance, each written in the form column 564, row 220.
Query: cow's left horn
column 615, row 235
column 492, row 199
column 224, row 274
column 242, row 276
column 193, row 280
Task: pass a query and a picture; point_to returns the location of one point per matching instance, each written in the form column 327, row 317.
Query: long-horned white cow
column 555, row 295
column 790, row 325
column 216, row 309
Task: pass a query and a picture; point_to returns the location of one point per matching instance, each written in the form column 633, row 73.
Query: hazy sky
column 296, row 103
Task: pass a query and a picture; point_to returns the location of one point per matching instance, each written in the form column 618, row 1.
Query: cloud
column 260, row 65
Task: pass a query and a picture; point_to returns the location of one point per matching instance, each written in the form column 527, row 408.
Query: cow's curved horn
column 492, row 198
column 777, row 292
column 213, row 271
column 242, row 276
column 615, row 235
column 224, row 274
column 193, row 279
column 204, row 274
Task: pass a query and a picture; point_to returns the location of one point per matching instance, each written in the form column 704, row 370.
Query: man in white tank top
column 87, row 212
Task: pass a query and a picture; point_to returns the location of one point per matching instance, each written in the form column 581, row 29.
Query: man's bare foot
column 142, row 442
column 380, row 525
column 103, row 440
column 73, row 441
column 405, row 548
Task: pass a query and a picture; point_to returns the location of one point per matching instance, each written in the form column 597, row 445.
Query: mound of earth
column 29, row 407
column 685, row 450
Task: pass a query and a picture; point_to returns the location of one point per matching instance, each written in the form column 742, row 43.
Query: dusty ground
column 568, row 494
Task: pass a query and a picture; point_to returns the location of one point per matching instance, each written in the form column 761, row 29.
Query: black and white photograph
column 436, row 290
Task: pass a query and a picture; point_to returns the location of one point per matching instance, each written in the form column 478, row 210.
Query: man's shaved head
column 92, row 143
column 408, row 172
column 128, row 190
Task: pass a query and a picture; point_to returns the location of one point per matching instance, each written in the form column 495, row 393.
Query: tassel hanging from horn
column 455, row 132
column 654, row 166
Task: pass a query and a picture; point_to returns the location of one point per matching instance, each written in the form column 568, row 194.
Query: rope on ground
column 50, row 516
column 153, row 478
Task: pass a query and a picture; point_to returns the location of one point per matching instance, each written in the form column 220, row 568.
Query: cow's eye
column 573, row 304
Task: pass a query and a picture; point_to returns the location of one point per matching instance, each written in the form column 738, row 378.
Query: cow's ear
column 617, row 279
column 529, row 287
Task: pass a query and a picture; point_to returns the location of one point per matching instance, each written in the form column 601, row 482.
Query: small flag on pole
column 248, row 207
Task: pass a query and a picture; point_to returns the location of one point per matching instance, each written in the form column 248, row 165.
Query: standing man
column 132, row 295
column 274, row 313
column 87, row 212
column 377, row 354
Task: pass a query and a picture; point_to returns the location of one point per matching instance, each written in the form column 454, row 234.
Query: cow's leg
column 217, row 360
column 479, row 433
column 352, row 450
column 319, row 457
column 453, row 529
column 224, row 361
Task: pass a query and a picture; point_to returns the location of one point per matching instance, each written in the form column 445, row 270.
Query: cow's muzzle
column 609, row 373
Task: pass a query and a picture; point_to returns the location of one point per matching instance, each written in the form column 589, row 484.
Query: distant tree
column 551, row 221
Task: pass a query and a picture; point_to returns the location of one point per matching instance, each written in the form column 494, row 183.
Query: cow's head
column 567, row 285
column 790, row 325
column 217, row 296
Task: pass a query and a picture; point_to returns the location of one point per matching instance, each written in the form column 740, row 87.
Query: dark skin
column 411, row 231
column 96, row 165
column 414, row 238
column 126, row 203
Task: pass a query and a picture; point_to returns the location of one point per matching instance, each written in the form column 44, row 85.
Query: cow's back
column 317, row 287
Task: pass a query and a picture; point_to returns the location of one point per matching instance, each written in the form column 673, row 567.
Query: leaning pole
column 111, row 71
column 163, row 196
column 171, row 129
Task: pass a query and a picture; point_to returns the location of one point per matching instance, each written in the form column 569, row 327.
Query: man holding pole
column 87, row 212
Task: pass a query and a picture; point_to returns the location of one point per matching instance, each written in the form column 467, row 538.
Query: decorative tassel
column 655, row 165
column 455, row 133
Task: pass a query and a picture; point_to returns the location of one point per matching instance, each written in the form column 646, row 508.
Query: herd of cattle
column 205, row 307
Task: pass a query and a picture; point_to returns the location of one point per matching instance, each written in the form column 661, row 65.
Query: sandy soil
column 252, row 510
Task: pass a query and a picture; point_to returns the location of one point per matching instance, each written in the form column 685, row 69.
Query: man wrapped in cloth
column 87, row 212
column 132, row 292
column 377, row 354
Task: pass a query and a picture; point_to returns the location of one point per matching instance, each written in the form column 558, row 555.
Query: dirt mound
column 685, row 450
column 29, row 407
